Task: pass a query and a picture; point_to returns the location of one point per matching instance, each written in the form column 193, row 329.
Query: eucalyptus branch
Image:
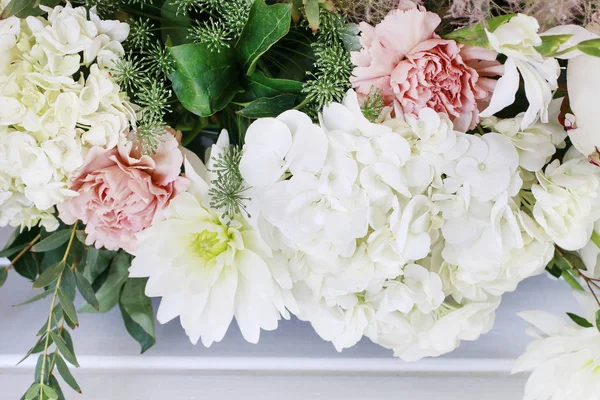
column 588, row 281
column 24, row 251
column 51, row 312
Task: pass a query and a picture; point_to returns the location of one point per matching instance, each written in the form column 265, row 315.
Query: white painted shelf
column 290, row 363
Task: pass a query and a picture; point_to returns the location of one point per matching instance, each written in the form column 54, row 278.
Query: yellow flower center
column 208, row 245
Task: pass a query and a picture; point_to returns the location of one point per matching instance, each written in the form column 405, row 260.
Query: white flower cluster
column 564, row 357
column 50, row 113
column 406, row 232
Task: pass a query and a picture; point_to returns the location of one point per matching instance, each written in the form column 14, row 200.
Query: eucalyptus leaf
column 17, row 7
column 11, row 251
column 137, row 312
column 37, row 348
column 51, row 393
column 68, row 306
column 3, row 276
column 33, row 391
column 108, row 294
column 27, row 266
column 266, row 26
column 86, row 290
column 50, row 275
column 65, row 373
column 64, row 349
column 35, row 298
column 54, row 241
column 598, row 320
column 68, row 284
column 204, row 81
column 97, row 261
column 269, row 106
column 42, row 359
column 54, row 385
column 568, row 260
column 584, row 323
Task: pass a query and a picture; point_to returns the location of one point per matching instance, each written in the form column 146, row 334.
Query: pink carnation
column 121, row 191
column 413, row 68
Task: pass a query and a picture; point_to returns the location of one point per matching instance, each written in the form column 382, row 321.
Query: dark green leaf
column 108, row 293
column 8, row 252
column 64, row 350
column 598, row 320
column 580, row 320
column 68, row 284
column 33, row 391
column 37, row 348
column 54, row 241
column 54, row 385
column 38, row 368
column 51, row 393
column 551, row 44
column 350, row 37
column 137, row 305
column 568, row 260
column 590, row 47
column 475, row 34
column 67, row 306
column 265, row 26
column 81, row 236
column 175, row 25
column 145, row 340
column 17, row 7
column 269, row 107
column 204, row 82
column 35, row 298
column 258, row 85
column 97, row 262
column 86, row 290
column 49, row 275
column 63, row 370
column 27, row 266
column 3, row 276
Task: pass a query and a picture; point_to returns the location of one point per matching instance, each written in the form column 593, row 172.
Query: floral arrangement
column 386, row 171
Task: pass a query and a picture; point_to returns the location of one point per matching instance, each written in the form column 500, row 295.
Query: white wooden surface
column 290, row 363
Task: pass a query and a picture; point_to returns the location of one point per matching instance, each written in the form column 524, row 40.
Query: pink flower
column 121, row 191
column 413, row 68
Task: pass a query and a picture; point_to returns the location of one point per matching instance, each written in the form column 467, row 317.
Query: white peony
column 564, row 357
column 207, row 271
column 517, row 39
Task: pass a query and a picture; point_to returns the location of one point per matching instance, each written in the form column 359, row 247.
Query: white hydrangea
column 405, row 232
column 51, row 118
column 567, row 200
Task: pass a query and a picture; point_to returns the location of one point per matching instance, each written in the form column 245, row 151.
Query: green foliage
column 3, row 276
column 140, row 34
column 475, row 34
column 228, row 189
column 25, row 8
column 584, row 323
column 551, row 44
column 590, row 47
column 373, row 106
column 138, row 315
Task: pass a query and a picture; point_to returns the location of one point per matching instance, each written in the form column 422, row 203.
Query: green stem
column 51, row 313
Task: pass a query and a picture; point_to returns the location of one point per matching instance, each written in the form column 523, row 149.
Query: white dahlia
column 209, row 269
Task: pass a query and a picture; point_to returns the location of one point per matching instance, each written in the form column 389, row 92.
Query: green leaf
column 175, row 25
column 81, row 236
column 568, row 260
column 269, row 107
column 27, row 266
column 49, row 275
column 35, row 298
column 68, row 306
column 63, row 370
column 16, row 7
column 137, row 312
column 204, row 82
column 54, row 385
column 86, row 290
column 38, row 368
column 10, row 251
column 33, row 391
column 68, row 284
column 54, row 241
column 598, row 320
column 258, row 85
column 584, row 323
column 67, row 353
column 97, row 261
column 37, row 348
column 51, row 393
column 590, row 47
column 265, row 26
column 311, row 8
column 551, row 44
column 596, row 238
column 3, row 276
column 570, row 279
column 475, row 35
column 108, row 294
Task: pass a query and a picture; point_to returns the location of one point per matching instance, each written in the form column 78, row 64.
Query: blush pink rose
column 121, row 191
column 413, row 68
